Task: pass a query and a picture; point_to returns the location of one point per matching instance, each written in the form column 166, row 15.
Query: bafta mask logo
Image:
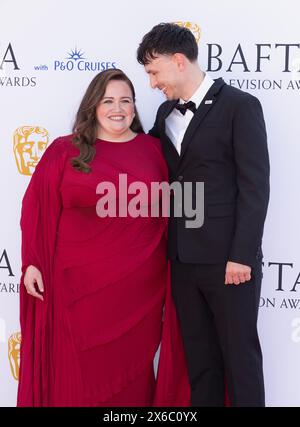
column 29, row 145
column 14, row 342
column 194, row 28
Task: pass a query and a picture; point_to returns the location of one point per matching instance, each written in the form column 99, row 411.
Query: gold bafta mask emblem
column 194, row 28
column 29, row 145
column 14, row 342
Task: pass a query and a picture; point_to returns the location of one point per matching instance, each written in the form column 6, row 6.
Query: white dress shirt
column 177, row 123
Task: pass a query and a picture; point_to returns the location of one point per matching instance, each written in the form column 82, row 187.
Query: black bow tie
column 186, row 106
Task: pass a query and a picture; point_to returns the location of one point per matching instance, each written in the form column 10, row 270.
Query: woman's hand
column 32, row 279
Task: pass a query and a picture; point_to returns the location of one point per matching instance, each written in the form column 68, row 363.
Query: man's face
column 164, row 74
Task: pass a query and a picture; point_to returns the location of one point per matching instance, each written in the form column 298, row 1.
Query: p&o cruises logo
column 77, row 61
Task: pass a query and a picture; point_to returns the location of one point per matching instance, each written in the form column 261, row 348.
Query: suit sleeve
column 252, row 168
column 155, row 130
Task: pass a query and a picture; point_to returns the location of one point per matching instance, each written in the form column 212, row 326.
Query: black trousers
column 219, row 328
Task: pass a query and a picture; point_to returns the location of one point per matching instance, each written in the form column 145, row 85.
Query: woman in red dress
column 93, row 289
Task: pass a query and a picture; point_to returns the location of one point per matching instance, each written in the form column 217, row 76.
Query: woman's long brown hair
column 86, row 126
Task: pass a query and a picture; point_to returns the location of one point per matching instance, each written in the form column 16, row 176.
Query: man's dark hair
column 167, row 39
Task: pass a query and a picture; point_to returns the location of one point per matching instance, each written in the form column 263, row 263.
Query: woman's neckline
column 118, row 143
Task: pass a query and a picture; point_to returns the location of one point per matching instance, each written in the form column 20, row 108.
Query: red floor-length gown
column 92, row 341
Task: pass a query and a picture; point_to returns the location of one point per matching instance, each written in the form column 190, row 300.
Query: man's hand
column 32, row 279
column 237, row 273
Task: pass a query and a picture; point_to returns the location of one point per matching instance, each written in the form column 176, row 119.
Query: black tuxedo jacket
column 225, row 146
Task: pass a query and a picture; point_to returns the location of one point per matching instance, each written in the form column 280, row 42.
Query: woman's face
column 115, row 111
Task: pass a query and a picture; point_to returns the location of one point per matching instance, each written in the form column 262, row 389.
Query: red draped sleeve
column 41, row 207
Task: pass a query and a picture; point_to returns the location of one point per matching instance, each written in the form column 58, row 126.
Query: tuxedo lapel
column 206, row 105
column 169, row 108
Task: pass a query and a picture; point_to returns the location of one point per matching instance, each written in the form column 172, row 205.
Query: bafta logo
column 14, row 342
column 29, row 145
column 194, row 28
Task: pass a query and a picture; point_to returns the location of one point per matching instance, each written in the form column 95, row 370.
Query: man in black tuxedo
column 213, row 133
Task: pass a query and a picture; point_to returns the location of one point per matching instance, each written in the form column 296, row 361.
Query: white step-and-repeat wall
column 51, row 50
